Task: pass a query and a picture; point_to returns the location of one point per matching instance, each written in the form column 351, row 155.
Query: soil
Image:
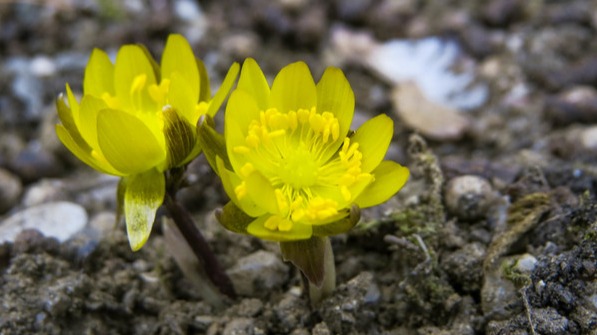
column 495, row 232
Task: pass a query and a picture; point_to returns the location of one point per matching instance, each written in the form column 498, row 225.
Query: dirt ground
column 495, row 232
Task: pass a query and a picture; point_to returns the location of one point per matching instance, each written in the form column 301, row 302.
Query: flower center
column 289, row 150
column 299, row 170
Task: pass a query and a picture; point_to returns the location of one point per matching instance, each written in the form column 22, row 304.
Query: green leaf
column 308, row 256
column 143, row 196
column 233, row 218
column 340, row 226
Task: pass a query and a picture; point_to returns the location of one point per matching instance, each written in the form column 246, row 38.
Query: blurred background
column 497, row 89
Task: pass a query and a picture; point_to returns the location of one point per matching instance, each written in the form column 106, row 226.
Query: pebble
column 240, row 326
column 258, row 273
column 577, row 104
column 61, row 220
column 10, row 190
column 43, row 191
column 469, row 197
column 35, row 163
column 432, row 120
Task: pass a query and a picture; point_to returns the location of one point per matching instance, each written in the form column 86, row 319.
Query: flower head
column 291, row 163
column 138, row 119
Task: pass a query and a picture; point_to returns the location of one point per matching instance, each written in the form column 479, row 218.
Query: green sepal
column 212, row 143
column 308, row 256
column 180, row 137
column 340, row 226
column 143, row 196
column 120, row 191
column 233, row 218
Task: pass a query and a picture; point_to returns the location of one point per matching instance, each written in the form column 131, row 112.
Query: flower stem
column 199, row 245
column 318, row 294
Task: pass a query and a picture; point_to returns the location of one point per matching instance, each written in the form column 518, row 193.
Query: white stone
column 56, row 219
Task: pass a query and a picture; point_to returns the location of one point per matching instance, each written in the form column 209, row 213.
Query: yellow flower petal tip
column 137, row 115
column 292, row 159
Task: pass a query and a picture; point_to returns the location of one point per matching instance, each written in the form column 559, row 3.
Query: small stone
column 575, row 105
column 10, row 190
column 239, row 326
column 42, row 66
column 46, row 190
column 431, row 119
column 526, row 264
column 56, row 219
column 469, row 197
column 258, row 273
column 321, row 329
column 187, row 10
column 35, row 163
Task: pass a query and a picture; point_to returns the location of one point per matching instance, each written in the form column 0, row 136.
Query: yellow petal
column 241, row 109
column 262, row 192
column 73, row 105
column 179, row 58
column 182, row 99
column 89, row 109
column 127, row 143
column 374, row 138
column 66, row 117
column 293, row 88
column 230, row 181
column 204, row 89
column 389, row 179
column 252, row 80
column 131, row 64
column 298, row 231
column 346, row 223
column 224, row 89
column 143, row 196
column 99, row 75
column 82, row 151
column 335, row 95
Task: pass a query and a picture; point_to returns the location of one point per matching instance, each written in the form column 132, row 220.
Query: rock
column 432, row 120
column 258, row 273
column 575, row 105
column 46, row 190
column 321, row 329
column 352, row 306
column 35, row 163
column 10, row 190
column 56, row 219
column 240, row 326
column 469, row 197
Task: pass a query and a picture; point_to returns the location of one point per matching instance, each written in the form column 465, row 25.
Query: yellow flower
column 291, row 162
column 138, row 119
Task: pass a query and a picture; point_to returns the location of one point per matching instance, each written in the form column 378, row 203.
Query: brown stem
column 199, row 245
